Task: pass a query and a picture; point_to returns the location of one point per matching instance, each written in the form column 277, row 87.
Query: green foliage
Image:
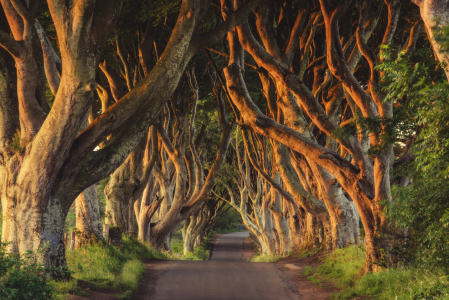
column 423, row 208
column 389, row 129
column 21, row 277
column 227, row 222
column 342, row 267
column 418, row 85
column 107, row 266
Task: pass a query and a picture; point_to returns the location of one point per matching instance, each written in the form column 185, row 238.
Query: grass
column 62, row 289
column 177, row 248
column 106, row 266
column 307, row 271
column 342, row 267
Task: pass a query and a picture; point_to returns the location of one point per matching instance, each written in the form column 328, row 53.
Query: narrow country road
column 225, row 276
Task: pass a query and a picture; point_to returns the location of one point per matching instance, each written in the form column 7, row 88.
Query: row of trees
column 93, row 88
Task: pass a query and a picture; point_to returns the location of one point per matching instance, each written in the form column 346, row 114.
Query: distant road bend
column 225, row 276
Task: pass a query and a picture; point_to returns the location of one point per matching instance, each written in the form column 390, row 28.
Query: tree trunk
column 295, row 229
column 188, row 233
column 88, row 222
column 119, row 191
column 435, row 14
column 27, row 226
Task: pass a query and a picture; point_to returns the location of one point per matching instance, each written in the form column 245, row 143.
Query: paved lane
column 225, row 276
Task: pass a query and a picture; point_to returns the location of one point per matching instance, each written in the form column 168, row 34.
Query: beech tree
column 196, row 228
column 309, row 114
column 54, row 162
column 262, row 208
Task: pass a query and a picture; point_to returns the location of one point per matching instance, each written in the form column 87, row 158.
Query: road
column 225, row 276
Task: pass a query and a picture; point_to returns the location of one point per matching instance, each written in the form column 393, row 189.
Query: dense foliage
column 21, row 277
column 419, row 88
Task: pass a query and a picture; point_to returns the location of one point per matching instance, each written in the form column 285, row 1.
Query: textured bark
column 367, row 183
column 88, row 222
column 57, row 163
column 280, row 222
column 180, row 208
column 435, row 16
column 119, row 191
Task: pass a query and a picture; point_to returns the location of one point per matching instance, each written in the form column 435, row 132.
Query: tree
column 366, row 176
column 55, row 163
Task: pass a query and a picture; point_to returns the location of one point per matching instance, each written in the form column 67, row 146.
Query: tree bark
column 88, row 222
column 436, row 16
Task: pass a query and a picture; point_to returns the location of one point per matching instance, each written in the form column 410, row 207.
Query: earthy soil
column 307, row 290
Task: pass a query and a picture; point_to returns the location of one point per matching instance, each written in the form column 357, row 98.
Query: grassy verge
column 106, row 266
column 342, row 268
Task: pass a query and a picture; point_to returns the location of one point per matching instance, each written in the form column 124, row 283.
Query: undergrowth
column 342, row 267
column 106, row 266
column 21, row 277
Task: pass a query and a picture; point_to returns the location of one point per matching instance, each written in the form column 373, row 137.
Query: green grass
column 342, row 267
column 106, row 266
column 307, row 271
column 121, row 270
column 177, row 248
column 64, row 288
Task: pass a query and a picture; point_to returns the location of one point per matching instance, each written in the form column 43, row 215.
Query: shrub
column 21, row 277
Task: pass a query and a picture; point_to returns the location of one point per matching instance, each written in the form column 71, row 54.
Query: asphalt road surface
column 225, row 276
